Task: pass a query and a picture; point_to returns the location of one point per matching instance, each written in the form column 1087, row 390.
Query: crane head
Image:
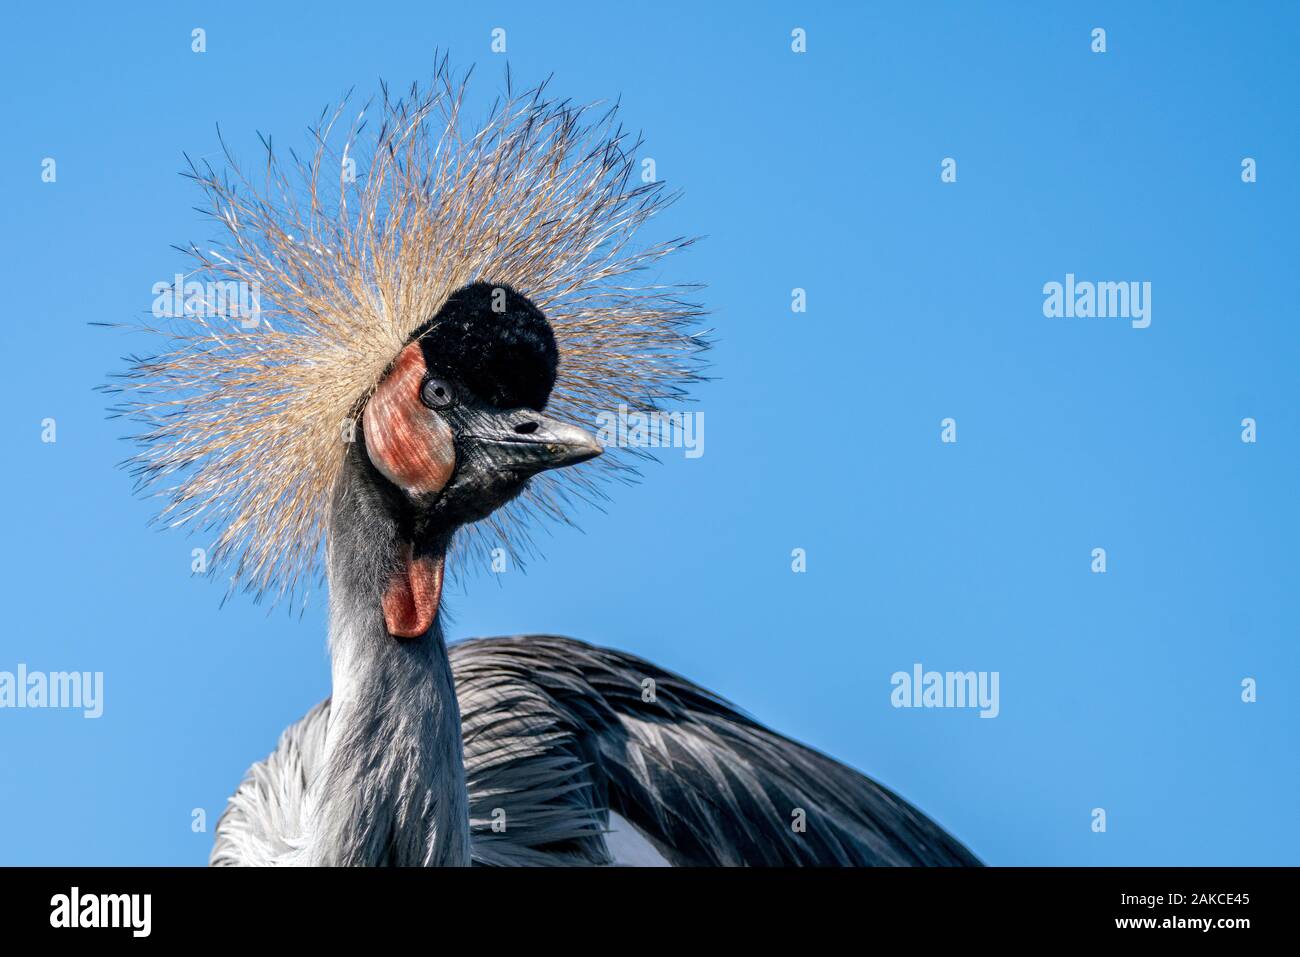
column 456, row 428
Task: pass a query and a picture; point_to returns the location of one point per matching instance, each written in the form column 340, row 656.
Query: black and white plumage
column 560, row 747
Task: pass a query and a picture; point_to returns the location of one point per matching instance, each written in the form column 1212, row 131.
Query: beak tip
column 575, row 453
column 571, row 445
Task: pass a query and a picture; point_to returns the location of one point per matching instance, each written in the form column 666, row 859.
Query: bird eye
column 437, row 393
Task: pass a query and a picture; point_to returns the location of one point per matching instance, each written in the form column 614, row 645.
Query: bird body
column 518, row 750
column 566, row 763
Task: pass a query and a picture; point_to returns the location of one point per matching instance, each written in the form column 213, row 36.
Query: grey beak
column 526, row 441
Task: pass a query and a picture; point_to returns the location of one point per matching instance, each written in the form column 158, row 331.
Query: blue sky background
column 818, row 171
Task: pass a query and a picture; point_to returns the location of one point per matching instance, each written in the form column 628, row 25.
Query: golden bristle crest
column 245, row 426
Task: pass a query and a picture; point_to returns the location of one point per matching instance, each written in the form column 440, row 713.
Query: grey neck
column 393, row 785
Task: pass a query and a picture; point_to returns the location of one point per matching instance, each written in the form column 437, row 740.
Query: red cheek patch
column 410, row 445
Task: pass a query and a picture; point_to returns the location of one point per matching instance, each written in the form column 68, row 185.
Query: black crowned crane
column 429, row 331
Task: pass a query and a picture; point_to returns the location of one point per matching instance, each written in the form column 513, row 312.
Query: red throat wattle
column 411, row 599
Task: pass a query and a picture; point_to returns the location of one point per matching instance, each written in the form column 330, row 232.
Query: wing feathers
column 695, row 774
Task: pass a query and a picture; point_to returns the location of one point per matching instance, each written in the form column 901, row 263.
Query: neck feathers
column 392, row 790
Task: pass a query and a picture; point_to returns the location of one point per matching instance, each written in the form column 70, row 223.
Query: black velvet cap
column 506, row 354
